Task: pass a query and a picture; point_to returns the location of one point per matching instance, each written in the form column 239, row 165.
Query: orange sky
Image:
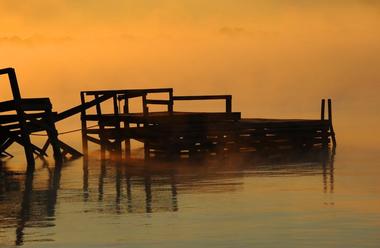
column 278, row 58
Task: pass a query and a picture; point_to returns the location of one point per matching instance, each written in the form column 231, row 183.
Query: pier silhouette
column 169, row 133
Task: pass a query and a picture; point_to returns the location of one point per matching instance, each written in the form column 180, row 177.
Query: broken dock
column 107, row 120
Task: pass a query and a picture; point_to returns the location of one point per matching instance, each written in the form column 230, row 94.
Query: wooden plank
column 69, row 149
column 166, row 117
column 158, row 102
column 201, row 97
column 128, row 91
column 81, row 107
column 25, row 104
column 9, row 118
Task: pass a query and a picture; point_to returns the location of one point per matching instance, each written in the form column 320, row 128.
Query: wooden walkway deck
column 192, row 134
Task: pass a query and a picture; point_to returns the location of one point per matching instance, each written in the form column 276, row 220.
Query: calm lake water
column 288, row 200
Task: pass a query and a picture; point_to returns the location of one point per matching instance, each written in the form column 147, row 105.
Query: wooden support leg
column 84, row 141
column 332, row 133
column 53, row 138
column 127, row 143
column 28, row 149
column 146, row 150
column 102, row 147
column 84, row 126
column 325, row 131
column 70, row 150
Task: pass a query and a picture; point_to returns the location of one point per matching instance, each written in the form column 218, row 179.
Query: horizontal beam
column 158, row 102
column 31, row 104
column 6, row 70
column 204, row 97
column 9, row 118
column 128, row 91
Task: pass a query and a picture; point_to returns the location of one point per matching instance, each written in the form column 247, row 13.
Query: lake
column 279, row 200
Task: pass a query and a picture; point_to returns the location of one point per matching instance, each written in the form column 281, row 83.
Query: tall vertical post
column 228, row 104
column 53, row 136
column 84, row 125
column 323, row 109
column 22, row 119
column 332, row 133
column 101, row 129
column 126, row 126
column 145, row 112
column 171, row 102
column 117, row 145
column 324, row 127
column 145, row 105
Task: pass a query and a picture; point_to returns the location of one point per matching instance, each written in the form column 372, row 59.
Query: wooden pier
column 176, row 134
column 107, row 120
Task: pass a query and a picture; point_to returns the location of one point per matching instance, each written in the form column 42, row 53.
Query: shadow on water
column 29, row 200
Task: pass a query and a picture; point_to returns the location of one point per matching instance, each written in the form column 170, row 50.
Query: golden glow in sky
column 278, row 58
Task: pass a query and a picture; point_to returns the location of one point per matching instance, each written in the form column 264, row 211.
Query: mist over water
column 277, row 59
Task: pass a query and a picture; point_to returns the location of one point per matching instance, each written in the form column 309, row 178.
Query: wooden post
column 332, row 133
column 84, row 125
column 171, row 102
column 22, row 120
column 127, row 141
column 325, row 132
column 145, row 105
column 323, row 109
column 145, row 125
column 229, row 104
column 53, row 136
column 101, row 128
column 117, row 145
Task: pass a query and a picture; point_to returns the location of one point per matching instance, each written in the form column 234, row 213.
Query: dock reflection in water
column 33, row 205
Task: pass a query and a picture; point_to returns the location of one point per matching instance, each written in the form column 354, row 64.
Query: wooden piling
column 53, row 136
column 84, row 125
column 332, row 133
column 323, row 109
column 22, row 120
column 127, row 141
column 117, row 141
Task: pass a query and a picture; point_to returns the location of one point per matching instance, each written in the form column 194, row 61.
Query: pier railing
column 147, row 97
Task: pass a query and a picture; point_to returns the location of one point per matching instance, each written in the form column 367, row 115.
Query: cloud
column 36, row 39
column 232, row 31
column 129, row 37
